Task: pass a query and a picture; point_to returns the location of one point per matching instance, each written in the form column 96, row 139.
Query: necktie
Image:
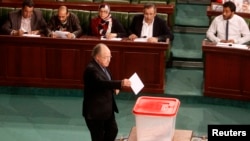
column 227, row 30
column 106, row 72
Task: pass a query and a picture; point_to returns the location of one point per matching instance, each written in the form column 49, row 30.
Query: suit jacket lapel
column 19, row 19
column 101, row 70
column 32, row 21
column 155, row 27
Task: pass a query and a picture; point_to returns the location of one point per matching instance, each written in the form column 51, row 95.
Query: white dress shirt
column 25, row 24
column 238, row 30
column 147, row 29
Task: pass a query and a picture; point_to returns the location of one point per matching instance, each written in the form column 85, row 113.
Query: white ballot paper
column 136, row 83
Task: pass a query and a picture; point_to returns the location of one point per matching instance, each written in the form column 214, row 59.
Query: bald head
column 63, row 13
column 101, row 53
column 63, row 9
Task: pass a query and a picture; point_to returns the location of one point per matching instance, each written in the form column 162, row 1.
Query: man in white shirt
column 148, row 25
column 237, row 31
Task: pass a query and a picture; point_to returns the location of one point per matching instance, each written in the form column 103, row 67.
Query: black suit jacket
column 160, row 28
column 98, row 100
column 14, row 22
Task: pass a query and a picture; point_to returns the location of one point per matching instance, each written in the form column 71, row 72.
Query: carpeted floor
column 48, row 117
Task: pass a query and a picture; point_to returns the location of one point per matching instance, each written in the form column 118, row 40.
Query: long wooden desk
column 59, row 63
column 227, row 72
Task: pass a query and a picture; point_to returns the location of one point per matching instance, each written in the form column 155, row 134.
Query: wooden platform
column 179, row 135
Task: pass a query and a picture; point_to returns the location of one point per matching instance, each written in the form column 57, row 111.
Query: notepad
column 61, row 34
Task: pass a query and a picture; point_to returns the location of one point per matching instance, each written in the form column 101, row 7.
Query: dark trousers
column 102, row 130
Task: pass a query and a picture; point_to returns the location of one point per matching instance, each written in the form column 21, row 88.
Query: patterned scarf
column 104, row 25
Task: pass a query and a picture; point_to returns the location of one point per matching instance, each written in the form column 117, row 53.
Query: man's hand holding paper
column 136, row 83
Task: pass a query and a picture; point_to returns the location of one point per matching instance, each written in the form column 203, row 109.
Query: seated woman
column 106, row 25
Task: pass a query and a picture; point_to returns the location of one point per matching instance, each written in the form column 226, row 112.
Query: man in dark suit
column 149, row 25
column 99, row 104
column 26, row 20
column 64, row 21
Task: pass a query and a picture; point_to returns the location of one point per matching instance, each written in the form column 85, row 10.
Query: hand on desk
column 132, row 37
column 152, row 40
column 70, row 36
column 227, row 41
column 111, row 35
column 21, row 32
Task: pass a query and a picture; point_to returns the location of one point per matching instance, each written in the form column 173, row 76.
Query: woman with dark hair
column 106, row 25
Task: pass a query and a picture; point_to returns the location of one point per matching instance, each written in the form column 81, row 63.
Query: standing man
column 25, row 21
column 149, row 25
column 99, row 104
column 229, row 27
column 64, row 21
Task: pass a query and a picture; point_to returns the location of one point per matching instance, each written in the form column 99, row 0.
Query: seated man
column 149, row 25
column 26, row 20
column 106, row 25
column 229, row 27
column 66, row 22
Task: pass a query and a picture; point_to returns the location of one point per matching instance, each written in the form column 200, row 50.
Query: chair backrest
column 83, row 16
column 4, row 12
column 154, row 1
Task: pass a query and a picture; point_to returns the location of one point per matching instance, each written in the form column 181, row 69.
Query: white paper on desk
column 140, row 39
column 240, row 46
column 112, row 39
column 61, row 34
column 223, row 44
column 31, row 35
column 136, row 83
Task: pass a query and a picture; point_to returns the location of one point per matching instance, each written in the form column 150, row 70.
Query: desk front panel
column 227, row 72
column 246, row 76
column 47, row 62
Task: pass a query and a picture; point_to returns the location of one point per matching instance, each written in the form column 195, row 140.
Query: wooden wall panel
column 226, row 72
column 24, row 61
column 48, row 62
